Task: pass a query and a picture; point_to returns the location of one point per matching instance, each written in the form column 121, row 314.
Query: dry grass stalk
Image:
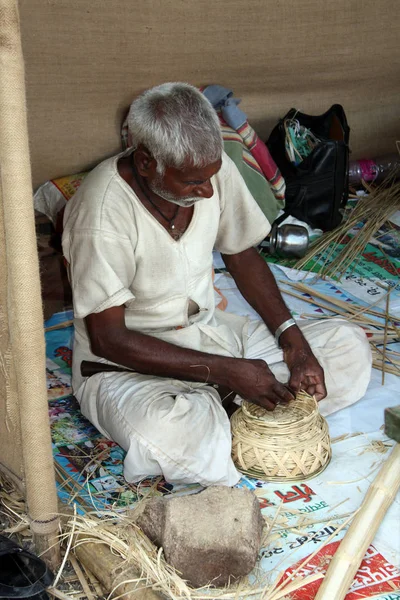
column 372, row 212
column 361, row 532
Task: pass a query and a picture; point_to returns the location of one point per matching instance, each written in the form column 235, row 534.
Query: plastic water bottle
column 373, row 169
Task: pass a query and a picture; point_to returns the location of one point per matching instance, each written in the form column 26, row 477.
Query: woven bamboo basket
column 290, row 443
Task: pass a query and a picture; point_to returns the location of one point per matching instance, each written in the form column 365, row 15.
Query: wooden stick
column 62, row 325
column 58, row 594
column 81, row 577
column 348, row 556
column 99, row 590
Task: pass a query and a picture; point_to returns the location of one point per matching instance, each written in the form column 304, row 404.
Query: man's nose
column 205, row 190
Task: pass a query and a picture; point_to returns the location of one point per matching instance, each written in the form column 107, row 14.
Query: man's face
column 184, row 186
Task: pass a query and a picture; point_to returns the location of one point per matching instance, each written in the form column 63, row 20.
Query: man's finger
column 320, row 391
column 267, row 404
column 311, row 389
column 295, row 381
column 283, row 393
column 320, row 395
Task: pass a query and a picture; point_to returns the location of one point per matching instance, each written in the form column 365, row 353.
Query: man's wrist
column 292, row 338
column 283, row 327
column 223, row 369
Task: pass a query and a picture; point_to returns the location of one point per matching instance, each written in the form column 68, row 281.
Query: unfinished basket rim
column 284, row 414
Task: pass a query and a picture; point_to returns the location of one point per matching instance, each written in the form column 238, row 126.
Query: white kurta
column 119, row 254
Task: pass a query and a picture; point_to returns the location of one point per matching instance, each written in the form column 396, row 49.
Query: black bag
column 22, row 574
column 317, row 188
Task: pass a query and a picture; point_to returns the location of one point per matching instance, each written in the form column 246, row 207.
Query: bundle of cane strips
column 369, row 215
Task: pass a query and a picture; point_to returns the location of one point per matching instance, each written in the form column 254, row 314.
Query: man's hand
column 305, row 372
column 254, row 381
column 262, row 293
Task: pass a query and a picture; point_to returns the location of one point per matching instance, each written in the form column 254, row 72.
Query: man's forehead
column 189, row 172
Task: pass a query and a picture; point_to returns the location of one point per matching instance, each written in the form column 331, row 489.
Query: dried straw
column 292, row 442
column 128, row 542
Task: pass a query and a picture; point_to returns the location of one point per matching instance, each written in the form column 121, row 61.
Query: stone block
column 210, row 537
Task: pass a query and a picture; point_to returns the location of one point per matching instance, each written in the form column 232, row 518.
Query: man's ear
column 145, row 164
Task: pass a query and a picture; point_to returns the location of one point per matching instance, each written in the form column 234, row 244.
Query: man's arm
column 251, row 379
column 262, row 293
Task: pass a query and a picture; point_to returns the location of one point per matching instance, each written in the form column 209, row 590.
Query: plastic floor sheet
column 309, row 514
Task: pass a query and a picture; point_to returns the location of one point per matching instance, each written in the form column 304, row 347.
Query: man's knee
column 335, row 333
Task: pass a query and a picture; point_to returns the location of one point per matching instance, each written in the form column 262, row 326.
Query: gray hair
column 176, row 123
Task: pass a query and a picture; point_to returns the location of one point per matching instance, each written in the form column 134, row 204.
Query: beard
column 184, row 201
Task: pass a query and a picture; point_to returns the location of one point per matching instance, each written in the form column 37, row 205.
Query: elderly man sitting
column 138, row 237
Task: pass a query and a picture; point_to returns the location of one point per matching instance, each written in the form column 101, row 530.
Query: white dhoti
column 180, row 429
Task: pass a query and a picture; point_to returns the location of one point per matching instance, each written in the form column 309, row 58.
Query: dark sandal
column 22, row 574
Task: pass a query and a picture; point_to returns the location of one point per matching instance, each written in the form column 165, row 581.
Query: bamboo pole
column 25, row 307
column 116, row 576
column 348, row 556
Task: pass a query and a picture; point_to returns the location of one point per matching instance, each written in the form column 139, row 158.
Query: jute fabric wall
column 26, row 403
column 87, row 59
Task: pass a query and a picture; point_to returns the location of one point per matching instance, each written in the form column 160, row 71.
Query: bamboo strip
column 385, row 337
column 383, row 356
column 350, row 311
column 361, row 532
column 348, row 306
column 389, row 369
column 327, row 307
column 373, row 334
column 58, row 594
